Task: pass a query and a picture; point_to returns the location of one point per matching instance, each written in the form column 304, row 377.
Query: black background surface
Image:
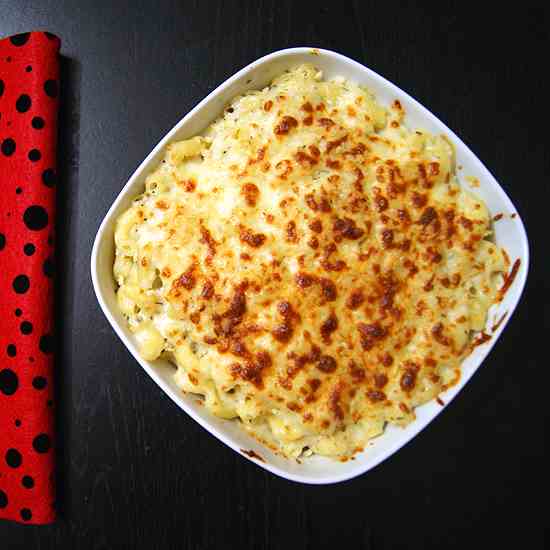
column 136, row 472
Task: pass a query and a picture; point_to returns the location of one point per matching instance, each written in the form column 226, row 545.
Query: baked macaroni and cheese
column 310, row 265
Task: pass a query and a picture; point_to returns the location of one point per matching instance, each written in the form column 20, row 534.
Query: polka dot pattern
column 20, row 39
column 27, row 482
column 38, row 123
column 50, row 87
column 29, row 99
column 21, row 284
column 41, row 443
column 23, row 103
column 8, row 382
column 49, row 177
column 8, row 147
column 26, row 327
column 39, row 383
column 35, row 217
column 34, row 155
column 13, row 458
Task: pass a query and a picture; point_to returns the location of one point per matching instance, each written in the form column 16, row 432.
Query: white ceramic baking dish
column 509, row 233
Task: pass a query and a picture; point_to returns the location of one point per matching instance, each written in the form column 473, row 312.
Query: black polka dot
column 8, row 147
column 8, row 382
column 21, row 284
column 49, row 403
column 11, row 350
column 19, row 190
column 27, row 482
column 2, row 241
column 3, row 499
column 50, row 36
column 39, row 383
column 46, row 343
column 18, row 312
column 49, row 177
column 26, row 327
column 23, row 103
column 20, row 39
column 48, row 267
column 2, row 87
column 35, row 155
column 13, row 458
column 50, row 87
column 29, row 249
column 41, row 443
column 8, row 59
column 17, row 422
column 35, row 218
column 28, row 69
column 31, row 359
column 26, row 514
column 38, row 123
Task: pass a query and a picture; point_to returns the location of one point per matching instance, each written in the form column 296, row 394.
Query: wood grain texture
column 135, row 472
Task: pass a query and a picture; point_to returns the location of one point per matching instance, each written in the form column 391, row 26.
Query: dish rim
column 518, row 286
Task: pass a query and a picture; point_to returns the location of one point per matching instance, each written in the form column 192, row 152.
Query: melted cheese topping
column 310, row 265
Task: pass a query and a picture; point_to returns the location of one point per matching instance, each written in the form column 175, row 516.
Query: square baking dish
column 509, row 233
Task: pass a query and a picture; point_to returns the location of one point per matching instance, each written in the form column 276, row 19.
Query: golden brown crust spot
column 376, row 395
column 285, row 125
column 251, row 193
column 329, row 325
column 408, row 379
column 207, row 290
column 304, row 280
column 255, row 240
column 328, row 289
column 335, row 144
column 291, row 234
column 334, row 401
column 355, row 299
column 437, row 333
column 186, row 280
column 252, row 370
column 371, row 334
column 346, row 228
column 326, row 123
column 316, row 225
column 206, row 238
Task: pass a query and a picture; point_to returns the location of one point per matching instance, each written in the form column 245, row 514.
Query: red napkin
column 29, row 86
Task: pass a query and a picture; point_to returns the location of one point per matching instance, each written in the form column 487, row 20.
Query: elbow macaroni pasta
column 310, row 265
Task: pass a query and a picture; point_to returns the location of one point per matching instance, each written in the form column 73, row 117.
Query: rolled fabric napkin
column 29, row 86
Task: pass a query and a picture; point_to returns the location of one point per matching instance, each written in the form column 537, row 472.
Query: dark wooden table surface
column 136, row 472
